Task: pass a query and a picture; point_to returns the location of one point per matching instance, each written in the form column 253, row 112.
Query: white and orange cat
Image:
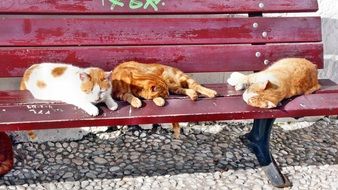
column 285, row 78
column 82, row 87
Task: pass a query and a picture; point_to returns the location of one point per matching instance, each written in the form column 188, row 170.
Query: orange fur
column 284, row 79
column 133, row 80
column 41, row 84
column 58, row 71
column 95, row 76
column 26, row 76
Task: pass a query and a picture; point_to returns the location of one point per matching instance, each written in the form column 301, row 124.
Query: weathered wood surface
column 155, row 6
column 195, row 58
column 19, row 111
column 66, row 30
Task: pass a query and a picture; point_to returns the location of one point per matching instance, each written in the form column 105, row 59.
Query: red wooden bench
column 193, row 35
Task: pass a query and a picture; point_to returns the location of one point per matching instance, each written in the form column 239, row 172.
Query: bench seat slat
column 42, row 116
column 25, row 97
column 194, row 58
column 164, row 6
column 102, row 30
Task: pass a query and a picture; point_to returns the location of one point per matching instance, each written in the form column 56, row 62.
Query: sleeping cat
column 82, row 87
column 153, row 82
column 285, row 78
column 133, row 80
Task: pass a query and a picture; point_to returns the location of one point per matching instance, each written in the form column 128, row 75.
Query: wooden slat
column 42, row 116
column 224, row 90
column 103, row 30
column 163, row 6
column 195, row 58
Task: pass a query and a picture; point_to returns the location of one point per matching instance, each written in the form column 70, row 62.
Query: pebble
column 100, row 160
column 143, row 134
column 67, row 175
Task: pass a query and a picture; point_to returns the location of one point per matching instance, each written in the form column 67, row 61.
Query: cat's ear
column 263, row 85
column 159, row 71
column 84, row 76
column 107, row 75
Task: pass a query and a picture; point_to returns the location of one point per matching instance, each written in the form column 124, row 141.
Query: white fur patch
column 238, row 80
column 247, row 95
column 235, row 78
column 271, row 105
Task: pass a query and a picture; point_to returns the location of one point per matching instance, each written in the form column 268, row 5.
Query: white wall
column 328, row 10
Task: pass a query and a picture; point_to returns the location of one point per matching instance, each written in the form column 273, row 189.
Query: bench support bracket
column 6, row 154
column 257, row 140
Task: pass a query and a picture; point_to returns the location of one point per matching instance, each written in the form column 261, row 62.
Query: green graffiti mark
column 135, row 4
column 152, row 3
column 115, row 3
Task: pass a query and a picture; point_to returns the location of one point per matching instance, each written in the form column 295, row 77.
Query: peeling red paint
column 197, row 58
column 171, row 6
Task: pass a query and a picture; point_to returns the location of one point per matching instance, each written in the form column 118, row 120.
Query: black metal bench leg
column 257, row 140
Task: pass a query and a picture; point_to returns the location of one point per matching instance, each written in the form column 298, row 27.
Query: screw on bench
column 261, row 5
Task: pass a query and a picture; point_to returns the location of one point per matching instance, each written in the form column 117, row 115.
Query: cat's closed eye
column 154, row 89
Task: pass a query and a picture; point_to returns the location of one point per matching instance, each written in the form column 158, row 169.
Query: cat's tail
column 177, row 130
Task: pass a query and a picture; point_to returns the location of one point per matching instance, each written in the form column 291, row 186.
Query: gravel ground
column 208, row 156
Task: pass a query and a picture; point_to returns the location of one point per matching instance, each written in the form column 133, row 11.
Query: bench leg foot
column 257, row 140
column 6, row 154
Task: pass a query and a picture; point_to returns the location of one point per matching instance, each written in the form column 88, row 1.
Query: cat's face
column 152, row 89
column 253, row 95
column 96, row 84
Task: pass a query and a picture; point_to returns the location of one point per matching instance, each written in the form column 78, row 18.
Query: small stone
column 65, row 145
column 91, row 175
column 143, row 134
column 67, row 175
column 73, row 144
column 77, row 161
column 58, row 145
column 114, row 169
column 137, row 133
column 84, row 184
column 100, row 160
column 229, row 155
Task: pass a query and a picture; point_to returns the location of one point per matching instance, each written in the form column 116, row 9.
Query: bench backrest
column 193, row 35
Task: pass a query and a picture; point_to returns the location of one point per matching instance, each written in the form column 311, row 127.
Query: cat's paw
column 260, row 103
column 159, row 101
column 238, row 80
column 234, row 78
column 211, row 93
column 112, row 105
column 136, row 103
column 192, row 94
column 92, row 110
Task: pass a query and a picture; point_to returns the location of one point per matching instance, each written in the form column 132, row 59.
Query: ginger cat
column 285, row 78
column 133, row 80
column 82, row 87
